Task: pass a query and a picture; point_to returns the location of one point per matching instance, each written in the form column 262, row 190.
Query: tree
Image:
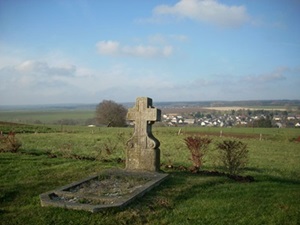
column 262, row 122
column 111, row 114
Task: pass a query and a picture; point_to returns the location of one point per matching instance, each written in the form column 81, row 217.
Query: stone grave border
column 51, row 198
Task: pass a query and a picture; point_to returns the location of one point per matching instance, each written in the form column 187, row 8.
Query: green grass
column 184, row 198
column 45, row 117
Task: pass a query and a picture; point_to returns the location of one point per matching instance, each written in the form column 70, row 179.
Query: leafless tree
column 111, row 114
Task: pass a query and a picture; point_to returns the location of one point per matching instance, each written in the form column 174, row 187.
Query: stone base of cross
column 143, row 151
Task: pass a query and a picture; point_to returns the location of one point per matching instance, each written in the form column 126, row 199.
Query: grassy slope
column 274, row 198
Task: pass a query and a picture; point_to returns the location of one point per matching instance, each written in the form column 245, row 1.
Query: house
column 291, row 117
column 174, row 120
column 276, row 118
column 189, row 121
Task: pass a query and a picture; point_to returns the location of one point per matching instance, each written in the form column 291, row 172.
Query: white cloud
column 34, row 75
column 139, row 50
column 207, row 11
column 274, row 76
column 163, row 40
column 113, row 48
column 108, row 47
column 42, row 68
column 157, row 39
column 167, row 50
column 84, row 72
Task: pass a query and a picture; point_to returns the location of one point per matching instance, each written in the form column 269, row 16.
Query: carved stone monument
column 143, row 151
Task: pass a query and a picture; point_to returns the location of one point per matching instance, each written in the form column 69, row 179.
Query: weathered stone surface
column 110, row 188
column 143, row 151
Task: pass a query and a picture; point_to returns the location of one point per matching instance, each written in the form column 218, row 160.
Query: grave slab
column 109, row 189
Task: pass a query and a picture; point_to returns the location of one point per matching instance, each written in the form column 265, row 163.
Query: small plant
column 110, row 146
column 9, row 143
column 233, row 155
column 66, row 150
column 198, row 147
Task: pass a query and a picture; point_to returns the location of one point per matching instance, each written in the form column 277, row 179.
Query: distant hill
column 252, row 103
column 50, row 107
column 179, row 104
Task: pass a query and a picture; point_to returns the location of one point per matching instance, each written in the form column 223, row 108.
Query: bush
column 233, row 155
column 198, row 147
column 9, row 143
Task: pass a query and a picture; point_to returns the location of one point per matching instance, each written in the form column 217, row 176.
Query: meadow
column 45, row 116
column 52, row 157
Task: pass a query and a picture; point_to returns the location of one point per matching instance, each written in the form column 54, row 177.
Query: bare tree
column 111, row 114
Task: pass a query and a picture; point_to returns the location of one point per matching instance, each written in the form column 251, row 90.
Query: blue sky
column 85, row 51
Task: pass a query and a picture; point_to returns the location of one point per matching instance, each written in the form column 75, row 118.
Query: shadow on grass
column 279, row 180
column 254, row 169
column 193, row 184
column 8, row 196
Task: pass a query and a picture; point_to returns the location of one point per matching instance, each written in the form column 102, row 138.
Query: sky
column 87, row 51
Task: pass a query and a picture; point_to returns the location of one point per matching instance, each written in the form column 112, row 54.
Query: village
column 233, row 118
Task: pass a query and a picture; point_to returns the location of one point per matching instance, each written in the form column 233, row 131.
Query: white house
column 276, row 118
column 189, row 121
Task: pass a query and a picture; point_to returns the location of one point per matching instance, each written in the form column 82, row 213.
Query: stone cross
column 143, row 151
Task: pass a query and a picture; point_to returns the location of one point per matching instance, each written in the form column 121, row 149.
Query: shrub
column 233, row 155
column 9, row 143
column 198, row 147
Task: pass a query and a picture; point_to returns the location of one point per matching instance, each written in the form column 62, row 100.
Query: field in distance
column 81, row 114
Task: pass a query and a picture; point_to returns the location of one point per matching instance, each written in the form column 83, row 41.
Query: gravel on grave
column 113, row 185
column 104, row 189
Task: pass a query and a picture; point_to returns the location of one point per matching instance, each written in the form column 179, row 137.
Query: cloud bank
column 37, row 81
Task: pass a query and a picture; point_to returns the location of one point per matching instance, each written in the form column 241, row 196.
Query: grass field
column 45, row 161
column 46, row 117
